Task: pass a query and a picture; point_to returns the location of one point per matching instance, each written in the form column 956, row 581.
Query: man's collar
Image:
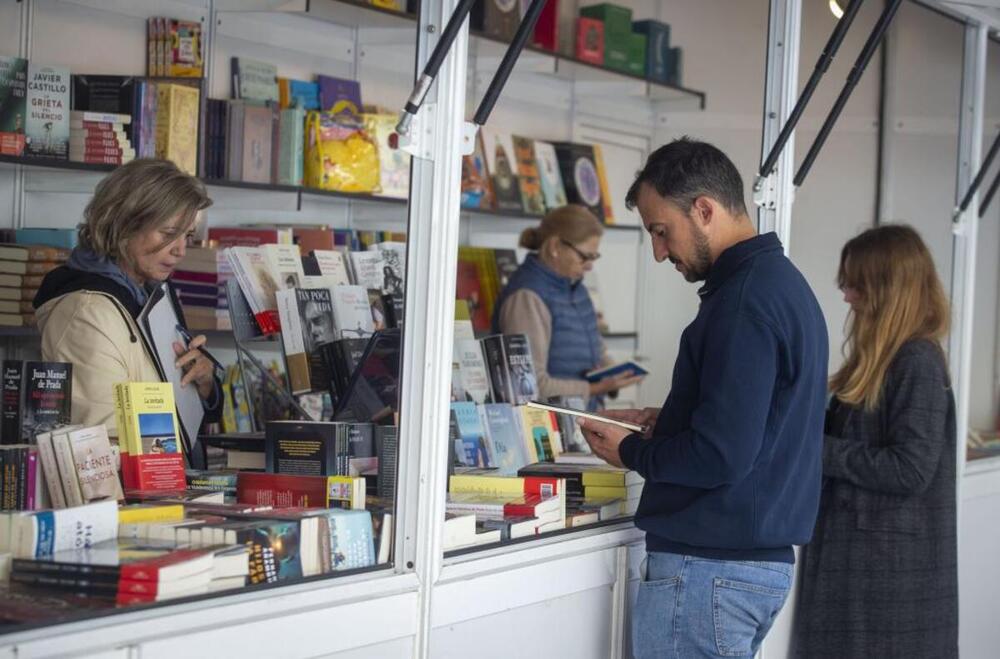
column 731, row 259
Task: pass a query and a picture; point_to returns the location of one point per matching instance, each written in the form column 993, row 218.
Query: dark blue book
column 615, row 370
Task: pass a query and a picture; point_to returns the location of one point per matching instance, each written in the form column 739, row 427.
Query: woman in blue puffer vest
column 547, row 301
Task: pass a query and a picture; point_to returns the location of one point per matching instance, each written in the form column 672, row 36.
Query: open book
column 586, row 415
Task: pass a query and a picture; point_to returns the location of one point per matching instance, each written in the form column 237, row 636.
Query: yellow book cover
column 152, row 418
column 144, row 514
column 284, row 93
column 462, row 310
column 494, row 486
column 119, row 429
column 345, row 492
column 539, row 436
column 177, row 125
column 602, row 178
column 129, row 431
column 604, row 492
column 609, row 477
column 183, row 49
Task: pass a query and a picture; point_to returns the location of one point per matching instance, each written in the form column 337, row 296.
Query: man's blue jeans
column 698, row 607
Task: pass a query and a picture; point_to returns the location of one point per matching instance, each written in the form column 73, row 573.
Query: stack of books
column 99, row 138
column 22, row 269
column 200, row 282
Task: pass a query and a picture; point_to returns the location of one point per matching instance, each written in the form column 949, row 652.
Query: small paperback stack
column 200, row 282
column 127, row 571
column 99, row 138
column 22, row 269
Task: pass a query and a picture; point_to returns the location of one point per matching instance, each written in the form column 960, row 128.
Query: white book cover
column 45, row 532
column 332, row 264
column 548, row 173
column 394, row 272
column 368, row 268
column 463, row 330
column 250, row 265
column 47, row 458
column 296, row 362
column 285, row 262
column 95, row 464
column 67, row 469
column 351, row 312
column 310, row 324
column 46, row 128
column 475, row 379
column 500, row 158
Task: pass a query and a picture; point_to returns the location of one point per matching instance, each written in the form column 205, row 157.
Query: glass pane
column 279, row 464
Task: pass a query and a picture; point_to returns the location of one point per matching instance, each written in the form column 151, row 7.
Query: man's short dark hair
column 686, row 169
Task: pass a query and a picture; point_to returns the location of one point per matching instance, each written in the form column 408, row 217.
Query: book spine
column 31, row 479
column 67, row 470
column 20, row 478
column 50, row 470
column 13, row 400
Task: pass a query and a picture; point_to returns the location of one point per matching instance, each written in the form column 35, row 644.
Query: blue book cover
column 504, row 432
column 352, row 542
column 303, row 94
column 475, row 445
column 614, row 370
column 65, row 238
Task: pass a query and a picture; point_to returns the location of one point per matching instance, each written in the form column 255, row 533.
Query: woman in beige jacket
column 134, row 234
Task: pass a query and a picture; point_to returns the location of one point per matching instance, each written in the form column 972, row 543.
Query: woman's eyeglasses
column 584, row 256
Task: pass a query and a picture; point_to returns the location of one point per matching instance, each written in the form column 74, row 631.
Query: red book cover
column 11, row 144
column 242, row 236
column 524, row 507
column 268, row 321
column 148, row 570
column 545, row 486
column 94, row 125
column 96, row 134
column 98, row 145
column 469, row 288
column 99, row 160
column 281, row 490
column 155, row 472
column 547, row 28
column 98, row 152
column 590, row 41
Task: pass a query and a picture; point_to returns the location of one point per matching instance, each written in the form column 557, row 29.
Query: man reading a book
column 732, row 462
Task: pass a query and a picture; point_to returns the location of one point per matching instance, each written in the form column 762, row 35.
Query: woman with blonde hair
column 879, row 578
column 547, row 301
column 135, row 232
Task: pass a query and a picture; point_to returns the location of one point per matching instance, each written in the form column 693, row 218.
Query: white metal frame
column 966, row 227
column 774, row 212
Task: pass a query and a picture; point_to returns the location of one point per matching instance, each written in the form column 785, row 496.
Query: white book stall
column 564, row 592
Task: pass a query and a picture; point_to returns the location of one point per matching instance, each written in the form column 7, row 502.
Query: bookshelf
column 355, row 14
column 300, row 191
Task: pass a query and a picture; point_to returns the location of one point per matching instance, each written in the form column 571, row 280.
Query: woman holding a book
column 135, row 232
column 879, row 577
column 547, row 301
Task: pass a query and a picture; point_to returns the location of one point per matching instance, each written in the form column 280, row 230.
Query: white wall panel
column 577, row 625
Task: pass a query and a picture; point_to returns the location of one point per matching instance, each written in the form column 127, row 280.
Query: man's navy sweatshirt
column 734, row 466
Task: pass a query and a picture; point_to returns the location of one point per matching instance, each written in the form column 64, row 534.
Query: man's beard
column 701, row 263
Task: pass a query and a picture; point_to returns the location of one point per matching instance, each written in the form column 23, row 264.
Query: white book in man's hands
column 587, row 415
